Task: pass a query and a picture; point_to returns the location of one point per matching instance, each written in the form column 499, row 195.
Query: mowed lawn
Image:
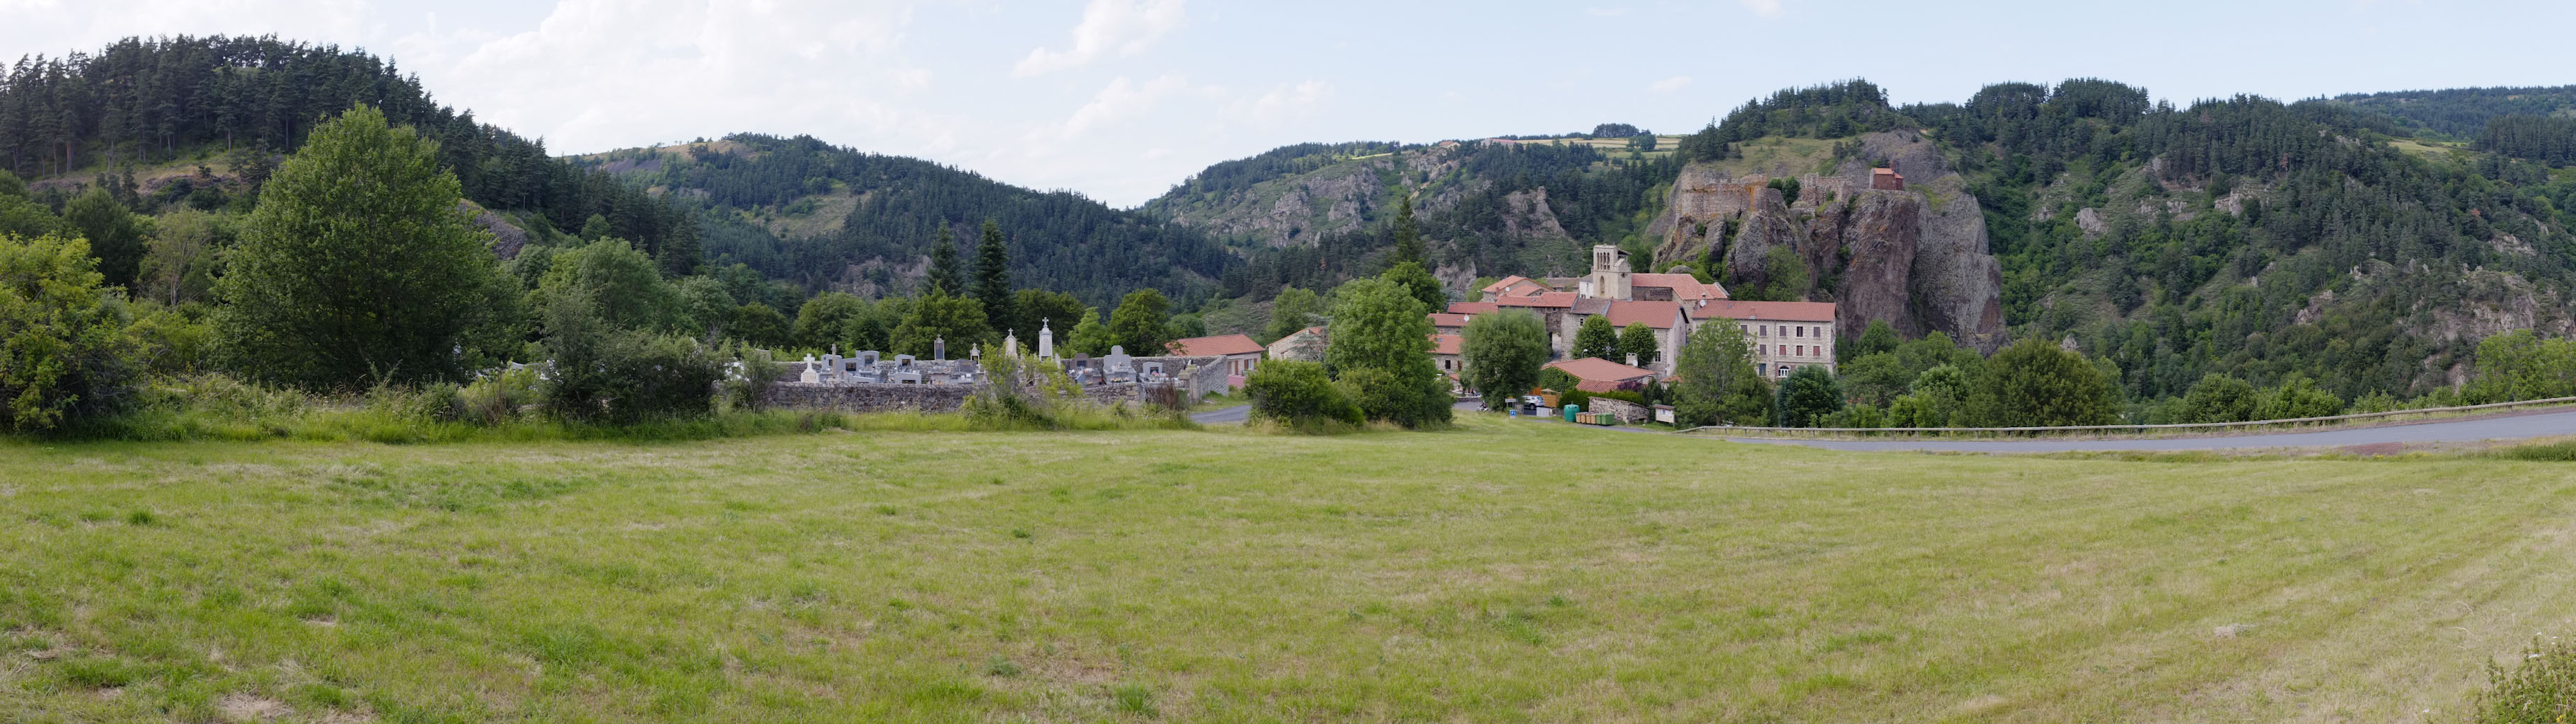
column 1507, row 571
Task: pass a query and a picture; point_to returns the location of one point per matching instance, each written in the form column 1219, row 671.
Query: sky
column 1121, row 99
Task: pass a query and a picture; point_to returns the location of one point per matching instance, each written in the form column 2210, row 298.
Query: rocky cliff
column 1914, row 258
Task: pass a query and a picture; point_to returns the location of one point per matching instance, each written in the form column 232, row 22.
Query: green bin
column 1570, row 411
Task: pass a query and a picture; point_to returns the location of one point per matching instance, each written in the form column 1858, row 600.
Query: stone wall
column 1629, row 413
column 866, row 398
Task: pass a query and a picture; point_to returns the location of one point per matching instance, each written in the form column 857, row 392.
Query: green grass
column 1497, row 572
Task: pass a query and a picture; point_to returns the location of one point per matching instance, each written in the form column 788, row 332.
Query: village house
column 1785, row 335
column 1238, row 352
column 1304, row 345
column 1446, row 349
column 1594, row 374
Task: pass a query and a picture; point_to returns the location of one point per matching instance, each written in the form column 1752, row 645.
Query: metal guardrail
column 2151, row 428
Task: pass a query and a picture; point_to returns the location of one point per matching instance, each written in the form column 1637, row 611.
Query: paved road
column 2466, row 430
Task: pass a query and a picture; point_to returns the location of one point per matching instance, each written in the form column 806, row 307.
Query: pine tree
column 993, row 277
column 1408, row 240
column 945, row 275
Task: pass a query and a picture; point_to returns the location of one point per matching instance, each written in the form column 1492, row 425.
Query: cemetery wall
column 866, row 398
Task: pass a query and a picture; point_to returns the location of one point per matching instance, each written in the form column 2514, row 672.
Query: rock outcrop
column 1914, row 258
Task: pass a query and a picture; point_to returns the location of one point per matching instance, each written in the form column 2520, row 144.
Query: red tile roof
column 1784, row 311
column 1439, row 319
column 1659, row 315
column 1548, row 299
column 1685, row 287
column 1217, row 345
column 1505, row 283
column 1595, row 369
column 1447, row 343
column 1473, row 308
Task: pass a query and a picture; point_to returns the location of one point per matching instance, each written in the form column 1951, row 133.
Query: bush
column 499, row 397
column 1383, row 395
column 628, row 377
column 2541, row 689
column 64, row 351
column 1298, row 395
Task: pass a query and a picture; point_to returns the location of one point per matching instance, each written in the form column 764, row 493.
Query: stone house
column 1238, row 352
column 1785, row 335
column 1447, row 350
column 1886, row 179
column 1305, row 345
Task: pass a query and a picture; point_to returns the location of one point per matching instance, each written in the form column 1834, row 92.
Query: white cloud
column 1764, row 8
column 1123, row 27
column 1671, row 84
column 1281, row 104
column 1121, row 99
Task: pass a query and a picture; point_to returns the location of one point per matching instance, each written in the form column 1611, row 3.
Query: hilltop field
column 1503, row 571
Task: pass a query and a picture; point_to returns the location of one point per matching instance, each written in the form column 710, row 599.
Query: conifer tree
column 1408, row 239
column 993, row 277
column 944, row 272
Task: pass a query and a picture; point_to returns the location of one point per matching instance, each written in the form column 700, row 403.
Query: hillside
column 2322, row 239
column 200, row 120
column 824, row 216
column 1312, row 214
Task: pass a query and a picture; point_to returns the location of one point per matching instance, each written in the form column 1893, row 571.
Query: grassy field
column 1500, row 572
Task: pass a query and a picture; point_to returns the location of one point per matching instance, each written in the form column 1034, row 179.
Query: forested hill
column 2367, row 242
column 1311, row 215
column 2464, row 113
column 143, row 115
column 832, row 217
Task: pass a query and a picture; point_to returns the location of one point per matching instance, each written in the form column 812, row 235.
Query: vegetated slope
column 2463, row 112
column 2252, row 237
column 1311, row 215
column 1205, row 576
column 234, row 103
column 828, row 216
column 2239, row 235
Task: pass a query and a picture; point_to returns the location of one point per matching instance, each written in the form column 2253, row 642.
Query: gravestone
column 1046, row 341
column 939, row 349
column 1119, row 366
column 809, row 375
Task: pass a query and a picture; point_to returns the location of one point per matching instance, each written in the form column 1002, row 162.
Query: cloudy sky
column 1119, row 99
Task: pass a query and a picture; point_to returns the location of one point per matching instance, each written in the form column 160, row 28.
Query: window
column 1761, row 349
column 1766, row 330
column 1802, row 331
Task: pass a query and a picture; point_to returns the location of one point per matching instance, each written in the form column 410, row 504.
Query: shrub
column 1807, row 397
column 2540, row 689
column 628, row 377
column 64, row 352
column 498, row 397
column 1298, row 395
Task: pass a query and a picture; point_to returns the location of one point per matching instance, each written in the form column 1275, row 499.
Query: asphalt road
column 2509, row 427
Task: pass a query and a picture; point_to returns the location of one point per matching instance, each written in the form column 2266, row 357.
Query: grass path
column 1502, row 572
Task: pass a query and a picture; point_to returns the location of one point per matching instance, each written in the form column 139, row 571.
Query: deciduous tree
column 358, row 265
column 1503, row 352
